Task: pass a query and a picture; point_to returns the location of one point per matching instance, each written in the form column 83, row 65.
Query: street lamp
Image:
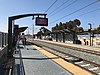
column 90, row 32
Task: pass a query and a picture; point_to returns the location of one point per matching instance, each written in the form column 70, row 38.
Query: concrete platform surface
column 33, row 62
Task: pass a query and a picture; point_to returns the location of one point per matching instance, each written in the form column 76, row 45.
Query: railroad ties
column 87, row 65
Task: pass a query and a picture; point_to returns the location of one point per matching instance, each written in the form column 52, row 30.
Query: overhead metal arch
column 26, row 15
column 10, row 21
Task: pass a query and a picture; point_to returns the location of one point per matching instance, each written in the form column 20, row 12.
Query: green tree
column 64, row 26
column 55, row 28
column 77, row 22
column 45, row 31
column 60, row 26
column 96, row 30
column 71, row 25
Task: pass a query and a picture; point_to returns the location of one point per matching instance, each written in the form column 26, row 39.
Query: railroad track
column 76, row 48
column 91, row 67
column 84, row 64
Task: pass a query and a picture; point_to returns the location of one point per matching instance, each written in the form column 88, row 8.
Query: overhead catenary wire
column 63, row 8
column 51, row 6
column 58, row 7
column 87, row 12
column 77, row 10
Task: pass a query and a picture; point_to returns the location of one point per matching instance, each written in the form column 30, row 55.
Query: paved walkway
column 30, row 61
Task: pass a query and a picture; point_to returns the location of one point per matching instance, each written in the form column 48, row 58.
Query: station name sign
column 41, row 21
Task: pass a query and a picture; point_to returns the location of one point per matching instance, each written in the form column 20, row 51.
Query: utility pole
column 33, row 32
column 28, row 32
column 90, row 32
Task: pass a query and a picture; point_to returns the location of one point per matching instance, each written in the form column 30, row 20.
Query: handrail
column 3, row 39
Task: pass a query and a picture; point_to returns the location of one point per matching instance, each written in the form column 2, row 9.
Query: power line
column 87, row 13
column 64, row 8
column 58, row 7
column 77, row 10
column 51, row 5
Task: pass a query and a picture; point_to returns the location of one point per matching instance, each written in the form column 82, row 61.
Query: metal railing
column 3, row 39
column 3, row 52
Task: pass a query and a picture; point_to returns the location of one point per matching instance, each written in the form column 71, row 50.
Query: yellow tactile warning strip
column 68, row 66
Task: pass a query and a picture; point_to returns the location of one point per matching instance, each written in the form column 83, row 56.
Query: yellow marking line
column 68, row 66
column 97, row 48
column 84, row 47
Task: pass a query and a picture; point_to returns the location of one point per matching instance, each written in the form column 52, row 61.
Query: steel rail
column 92, row 63
column 76, row 48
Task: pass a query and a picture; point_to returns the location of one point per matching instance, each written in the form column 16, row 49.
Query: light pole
column 90, row 32
column 33, row 37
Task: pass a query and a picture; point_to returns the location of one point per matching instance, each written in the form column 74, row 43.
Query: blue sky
column 17, row 7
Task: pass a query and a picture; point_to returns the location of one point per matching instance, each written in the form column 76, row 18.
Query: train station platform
column 30, row 61
column 33, row 60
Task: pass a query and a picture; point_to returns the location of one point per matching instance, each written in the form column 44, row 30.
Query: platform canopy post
column 10, row 30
